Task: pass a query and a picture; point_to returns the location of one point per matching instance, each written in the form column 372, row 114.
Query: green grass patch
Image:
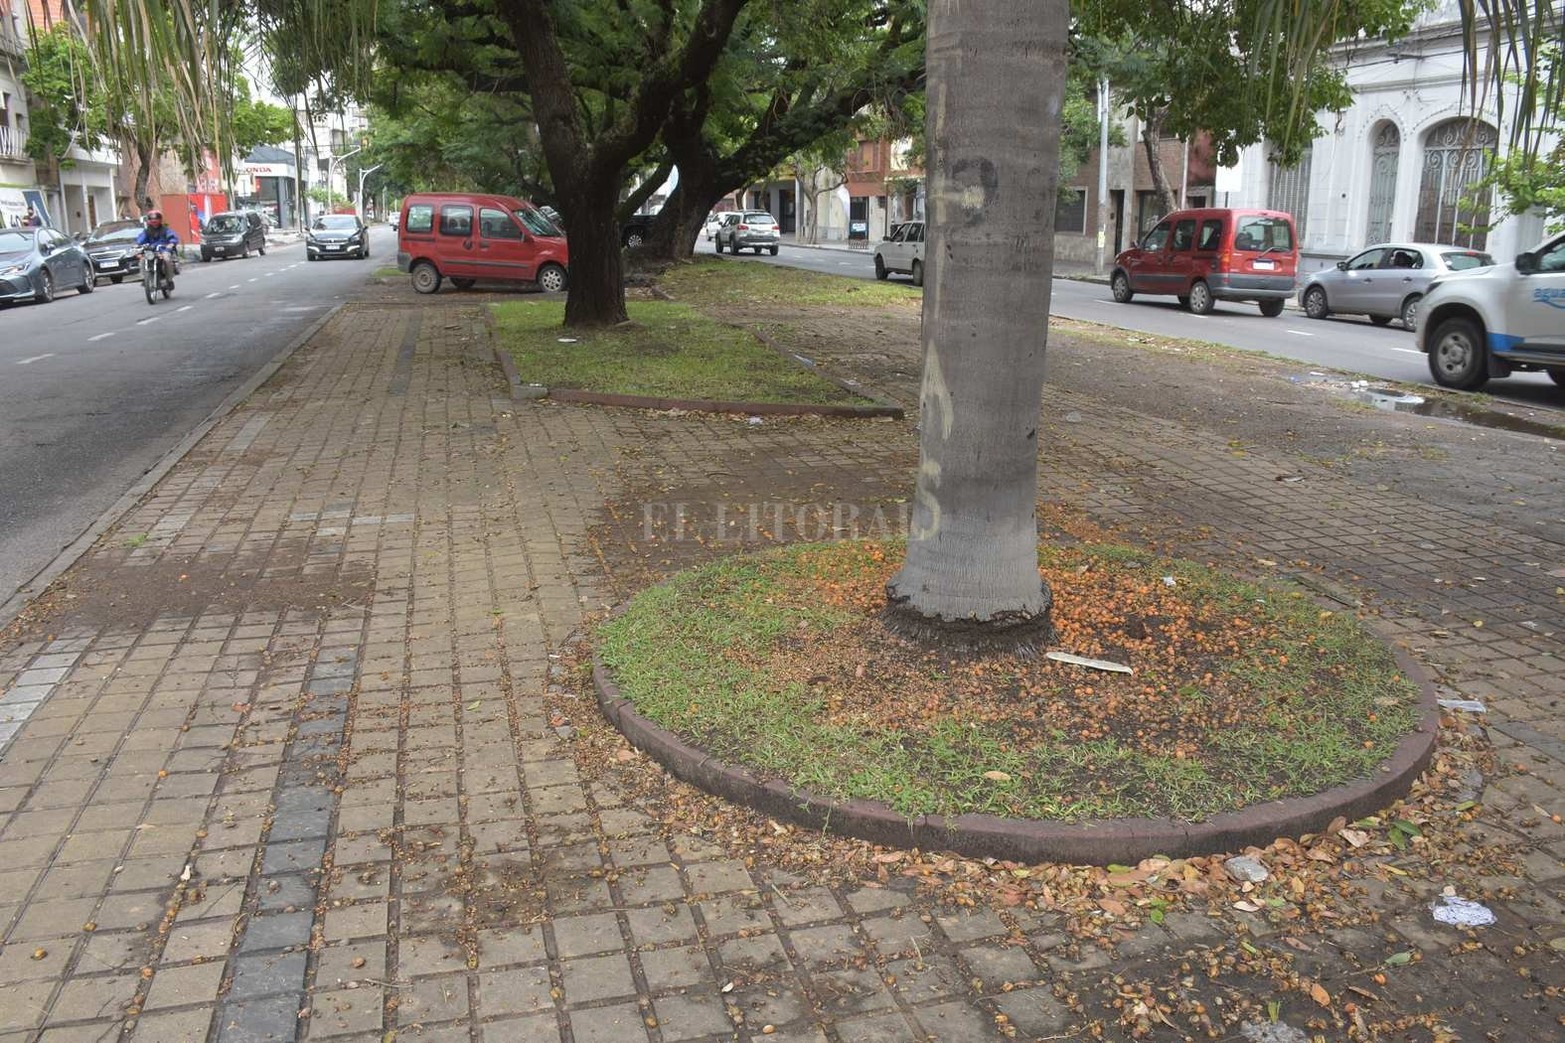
column 386, row 272
column 1240, row 694
column 712, row 281
column 667, row 350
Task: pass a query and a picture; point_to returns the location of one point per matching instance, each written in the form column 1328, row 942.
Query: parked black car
column 112, row 249
column 634, row 231
column 337, row 235
column 233, row 234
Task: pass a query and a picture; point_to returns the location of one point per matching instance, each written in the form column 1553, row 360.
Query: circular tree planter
column 768, row 680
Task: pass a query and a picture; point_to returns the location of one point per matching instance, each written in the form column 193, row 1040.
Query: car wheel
column 1556, row 374
column 633, row 240
column 1271, row 309
column 880, row 269
column 1380, row 320
column 551, row 278
column 1410, row 312
column 261, row 249
column 426, row 279
column 1315, row 305
column 918, row 273
column 1119, row 285
column 45, row 292
column 89, row 281
column 1201, row 302
column 206, row 256
column 116, row 279
column 719, row 244
column 463, row 284
column 1457, row 356
column 774, row 251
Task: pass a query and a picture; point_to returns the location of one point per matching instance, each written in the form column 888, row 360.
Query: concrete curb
column 31, row 588
column 1124, row 841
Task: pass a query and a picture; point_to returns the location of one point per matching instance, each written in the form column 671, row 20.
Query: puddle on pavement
column 1395, row 401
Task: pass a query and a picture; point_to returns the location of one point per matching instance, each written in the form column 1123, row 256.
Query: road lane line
column 249, row 280
column 215, row 293
column 185, row 308
column 102, row 335
column 235, row 286
column 143, row 322
column 1299, row 333
column 35, row 358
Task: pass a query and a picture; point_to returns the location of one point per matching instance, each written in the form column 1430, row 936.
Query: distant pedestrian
column 31, row 219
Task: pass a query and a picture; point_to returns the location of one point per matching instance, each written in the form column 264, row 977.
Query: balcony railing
column 10, row 43
column 13, row 143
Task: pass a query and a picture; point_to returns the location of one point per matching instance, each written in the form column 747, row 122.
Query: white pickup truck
column 1492, row 322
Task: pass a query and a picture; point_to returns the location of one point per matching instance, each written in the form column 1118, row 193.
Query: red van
column 1206, row 256
column 468, row 237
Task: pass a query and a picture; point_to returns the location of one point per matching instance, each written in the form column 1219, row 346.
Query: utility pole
column 1103, row 169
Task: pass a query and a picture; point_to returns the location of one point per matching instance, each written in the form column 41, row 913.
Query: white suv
column 902, row 251
column 1492, row 322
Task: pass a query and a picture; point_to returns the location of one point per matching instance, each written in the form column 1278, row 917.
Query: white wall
column 1416, row 85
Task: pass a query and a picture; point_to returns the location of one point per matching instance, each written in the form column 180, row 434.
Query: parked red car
column 468, row 237
column 1211, row 255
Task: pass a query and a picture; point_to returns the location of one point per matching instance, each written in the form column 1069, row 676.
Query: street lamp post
column 362, row 175
column 330, row 162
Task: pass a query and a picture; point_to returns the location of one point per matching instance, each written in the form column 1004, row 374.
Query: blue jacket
column 163, row 237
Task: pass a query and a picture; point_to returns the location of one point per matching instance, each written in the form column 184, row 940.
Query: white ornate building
column 1395, row 165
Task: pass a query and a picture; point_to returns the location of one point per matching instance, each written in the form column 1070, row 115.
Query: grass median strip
column 709, row 281
column 667, row 350
column 1240, row 693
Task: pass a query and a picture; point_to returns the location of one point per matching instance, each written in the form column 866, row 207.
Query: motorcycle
column 151, row 282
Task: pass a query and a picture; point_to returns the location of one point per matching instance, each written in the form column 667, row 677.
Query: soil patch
column 1235, row 693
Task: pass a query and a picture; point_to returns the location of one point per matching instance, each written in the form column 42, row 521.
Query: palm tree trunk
column 996, row 86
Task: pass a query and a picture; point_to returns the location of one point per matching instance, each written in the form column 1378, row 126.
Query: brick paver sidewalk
column 281, row 762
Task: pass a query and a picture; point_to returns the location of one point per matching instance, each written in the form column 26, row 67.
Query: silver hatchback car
column 1385, row 282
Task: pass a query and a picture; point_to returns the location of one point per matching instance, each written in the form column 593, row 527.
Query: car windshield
column 1462, row 260
column 13, row 240
column 1255, row 234
column 337, row 222
column 226, row 224
column 537, row 224
column 119, row 231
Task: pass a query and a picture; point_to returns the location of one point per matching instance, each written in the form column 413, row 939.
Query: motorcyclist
column 161, row 237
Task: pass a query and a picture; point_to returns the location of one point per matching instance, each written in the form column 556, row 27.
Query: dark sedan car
column 35, row 261
column 337, row 235
column 233, row 234
column 112, row 249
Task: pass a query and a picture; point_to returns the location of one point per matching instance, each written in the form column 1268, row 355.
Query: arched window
column 1386, row 147
column 1457, row 154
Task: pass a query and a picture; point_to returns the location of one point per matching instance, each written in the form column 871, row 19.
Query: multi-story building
column 328, row 140
column 72, row 195
column 17, row 175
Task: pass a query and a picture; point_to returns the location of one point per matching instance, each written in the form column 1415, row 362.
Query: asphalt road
column 1349, row 344
column 95, row 389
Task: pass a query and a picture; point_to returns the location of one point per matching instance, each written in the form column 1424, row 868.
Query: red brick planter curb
column 1124, row 841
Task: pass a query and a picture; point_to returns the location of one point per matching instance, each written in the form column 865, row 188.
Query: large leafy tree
column 794, row 75
column 1186, row 68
